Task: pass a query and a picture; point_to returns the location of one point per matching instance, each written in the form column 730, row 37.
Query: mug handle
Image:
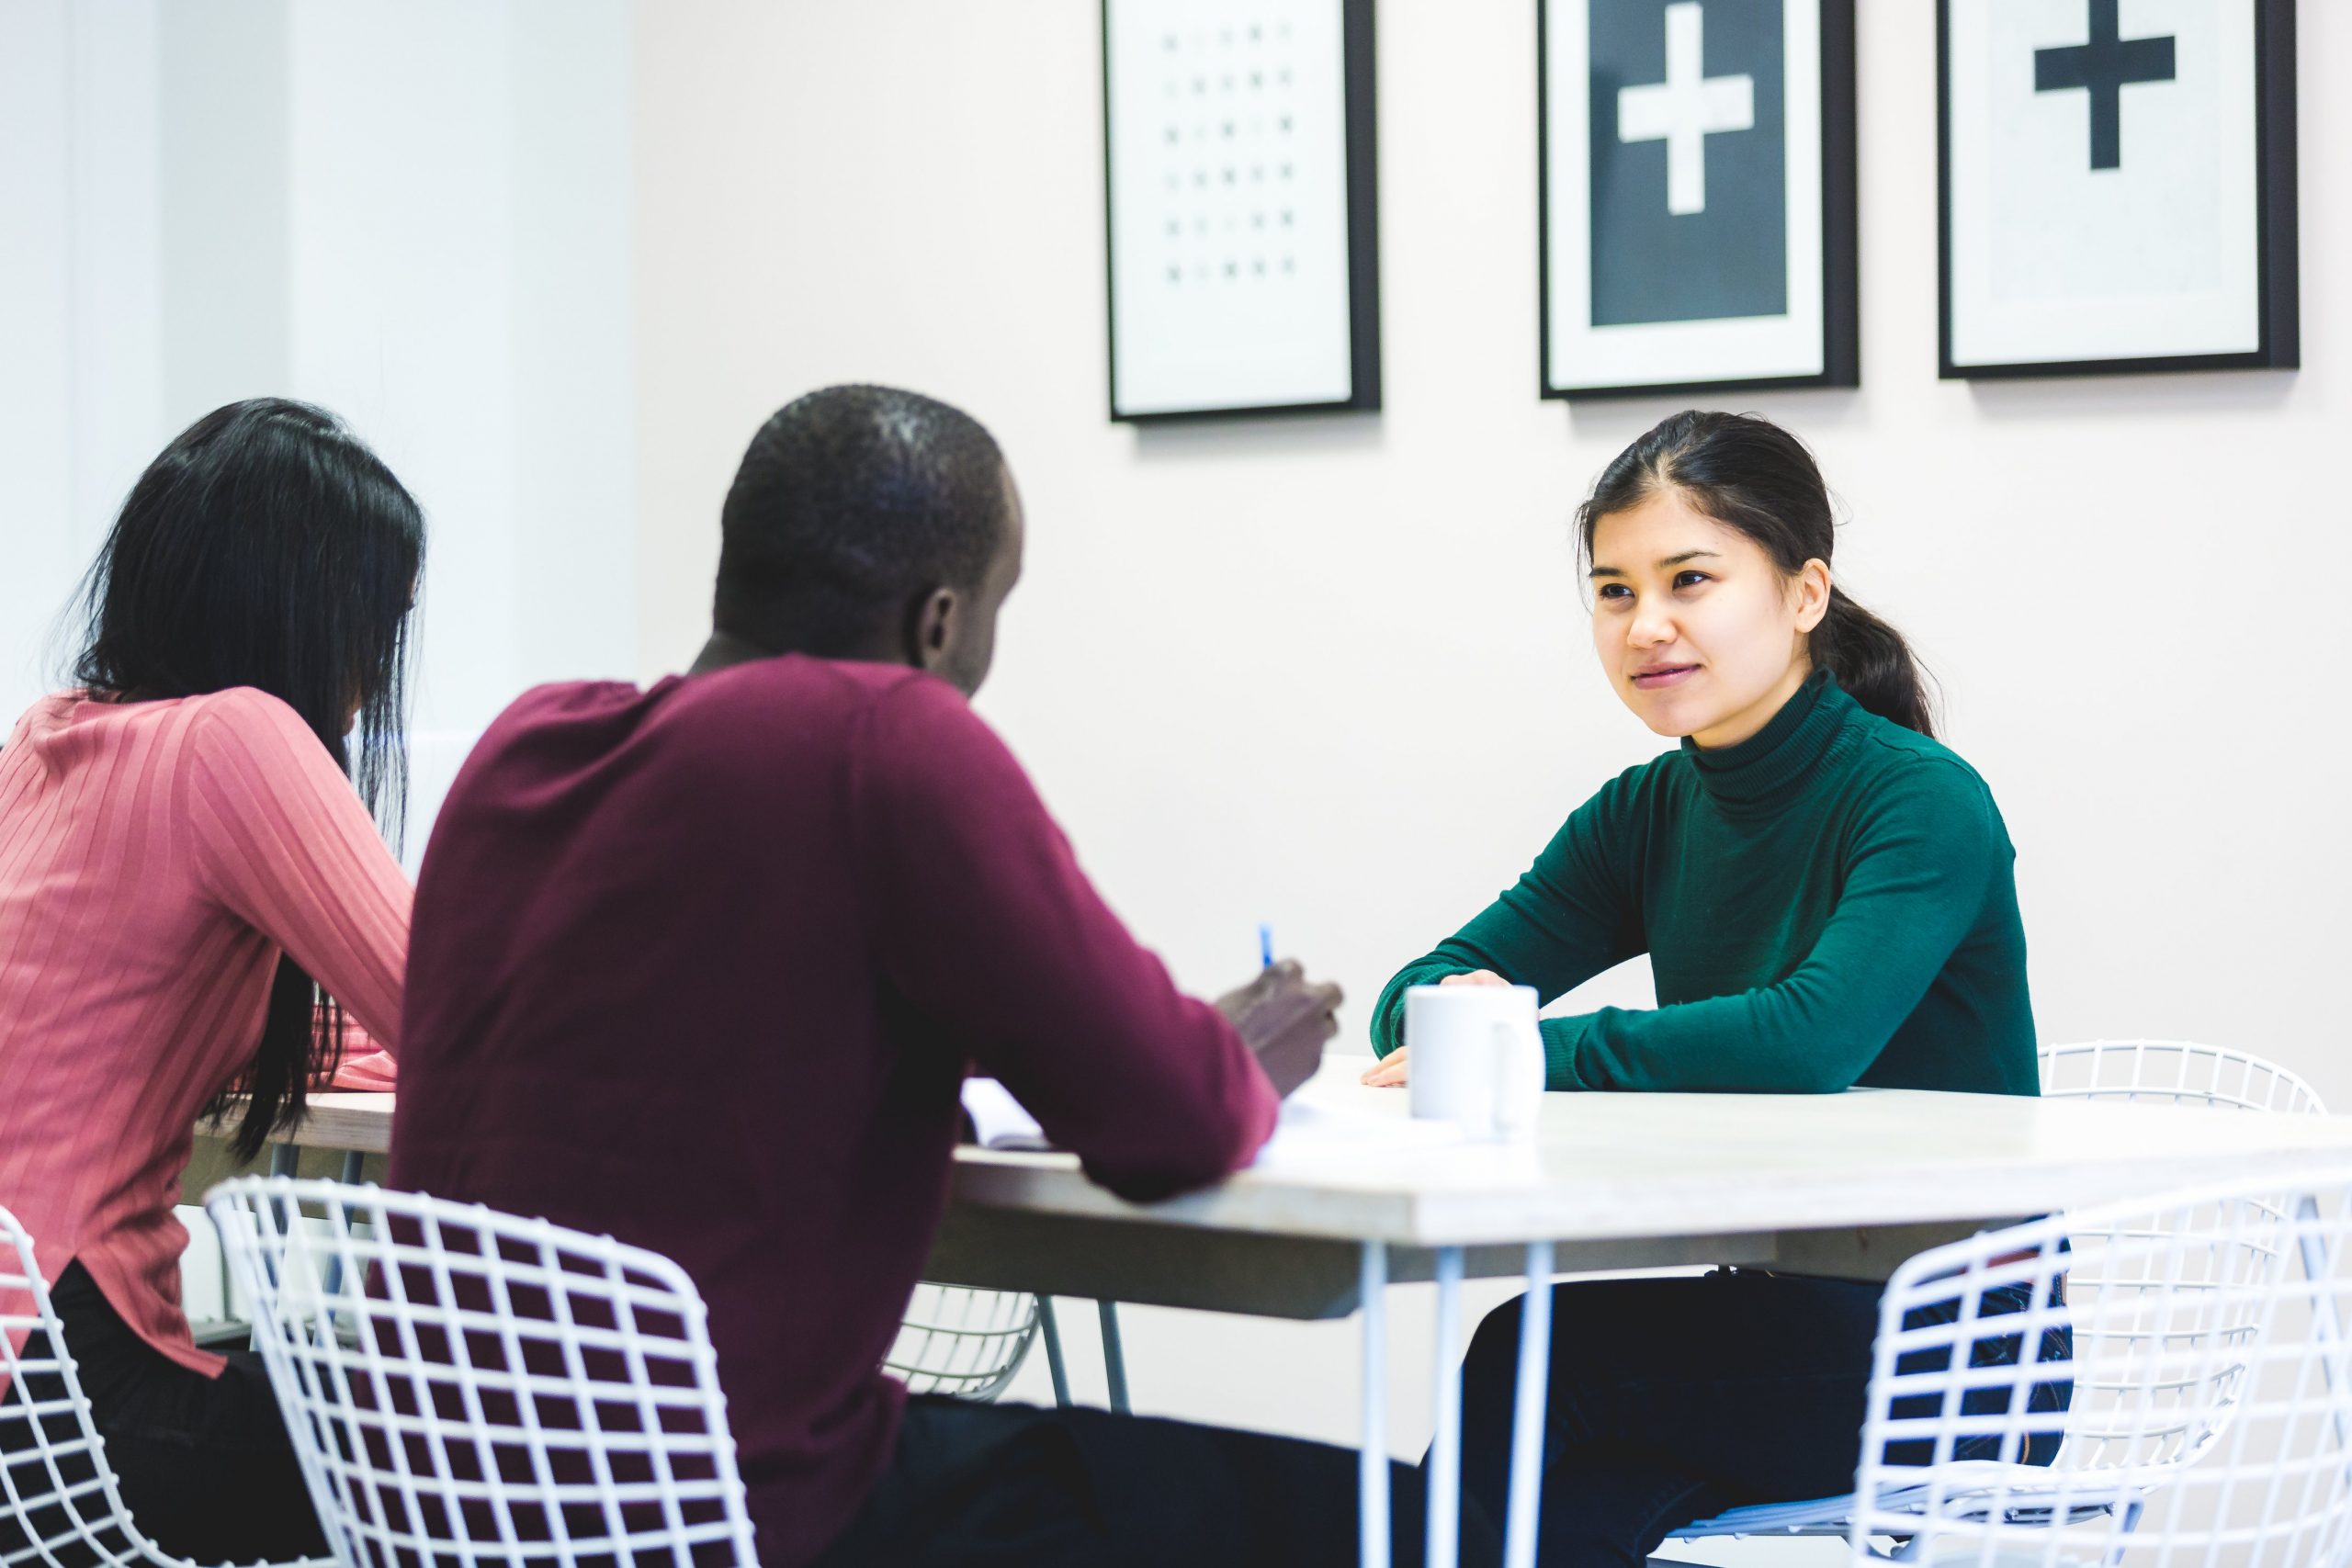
column 1512, row 1110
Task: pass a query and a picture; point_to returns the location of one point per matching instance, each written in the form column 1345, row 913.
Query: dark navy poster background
column 1730, row 259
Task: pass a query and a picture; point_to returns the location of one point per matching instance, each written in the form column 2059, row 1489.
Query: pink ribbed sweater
column 154, row 859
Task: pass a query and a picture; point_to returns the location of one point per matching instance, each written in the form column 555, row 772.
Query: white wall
column 1332, row 673
column 460, row 267
column 416, row 214
column 81, row 362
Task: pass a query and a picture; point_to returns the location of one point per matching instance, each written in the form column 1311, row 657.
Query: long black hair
column 268, row 546
column 1750, row 474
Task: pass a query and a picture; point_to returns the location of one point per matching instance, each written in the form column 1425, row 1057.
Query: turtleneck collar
column 1771, row 763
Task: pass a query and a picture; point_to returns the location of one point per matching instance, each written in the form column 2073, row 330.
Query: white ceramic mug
column 1477, row 1058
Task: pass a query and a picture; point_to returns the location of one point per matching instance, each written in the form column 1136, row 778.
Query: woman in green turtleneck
column 1826, row 897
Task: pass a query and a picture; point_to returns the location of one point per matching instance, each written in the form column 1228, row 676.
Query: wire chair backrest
column 961, row 1341
column 58, row 1503
column 2177, row 1072
column 2164, row 1072
column 2210, row 1414
column 465, row 1387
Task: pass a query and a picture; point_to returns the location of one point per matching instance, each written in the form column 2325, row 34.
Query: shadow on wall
column 1275, row 435
column 2047, row 397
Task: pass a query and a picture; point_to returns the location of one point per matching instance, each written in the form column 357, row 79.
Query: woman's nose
column 1649, row 630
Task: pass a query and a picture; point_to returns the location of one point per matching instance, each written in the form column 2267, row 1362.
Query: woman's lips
column 1664, row 675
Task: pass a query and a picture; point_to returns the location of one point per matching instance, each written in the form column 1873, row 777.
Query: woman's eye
column 1615, row 591
column 1690, row 579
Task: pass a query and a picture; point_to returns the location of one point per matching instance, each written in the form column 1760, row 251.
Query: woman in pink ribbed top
column 192, row 897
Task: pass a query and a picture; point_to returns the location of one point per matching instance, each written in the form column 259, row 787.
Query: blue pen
column 1265, row 946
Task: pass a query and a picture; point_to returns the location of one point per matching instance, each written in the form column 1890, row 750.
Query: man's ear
column 932, row 629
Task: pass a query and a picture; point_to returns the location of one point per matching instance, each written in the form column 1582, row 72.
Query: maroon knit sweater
column 703, row 966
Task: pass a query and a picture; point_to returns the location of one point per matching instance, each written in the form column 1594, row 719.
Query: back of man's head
column 852, row 503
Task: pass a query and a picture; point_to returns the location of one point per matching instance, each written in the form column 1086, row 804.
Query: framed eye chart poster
column 1697, row 185
column 1238, row 174
column 2117, row 186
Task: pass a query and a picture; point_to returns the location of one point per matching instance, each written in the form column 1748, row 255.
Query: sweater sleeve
column 1914, row 883
column 283, row 843
column 365, row 1065
column 987, row 923
column 1571, row 916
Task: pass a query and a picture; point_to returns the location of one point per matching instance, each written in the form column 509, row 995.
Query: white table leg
column 2323, row 1319
column 1444, row 1497
column 1527, row 1409
column 1372, row 1464
column 1054, row 1350
column 1115, row 1356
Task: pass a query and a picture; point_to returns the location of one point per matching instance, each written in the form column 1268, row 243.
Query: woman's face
column 1700, row 632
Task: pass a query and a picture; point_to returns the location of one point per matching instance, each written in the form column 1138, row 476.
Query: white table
column 1846, row 1184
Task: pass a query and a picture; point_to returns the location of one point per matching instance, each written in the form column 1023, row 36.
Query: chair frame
column 2212, row 1076
column 2203, row 1333
column 349, row 1302
column 97, row 1525
column 963, row 1341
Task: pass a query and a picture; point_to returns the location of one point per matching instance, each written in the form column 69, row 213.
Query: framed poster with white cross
column 2117, row 186
column 1697, row 189
column 1238, row 184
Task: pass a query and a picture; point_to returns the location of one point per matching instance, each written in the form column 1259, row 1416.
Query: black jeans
column 1674, row 1399
column 973, row 1484
column 204, row 1463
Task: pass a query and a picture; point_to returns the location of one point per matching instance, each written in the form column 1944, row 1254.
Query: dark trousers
column 203, row 1463
column 974, row 1484
column 1674, row 1399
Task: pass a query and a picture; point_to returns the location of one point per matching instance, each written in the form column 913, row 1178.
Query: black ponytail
column 1748, row 473
column 1871, row 662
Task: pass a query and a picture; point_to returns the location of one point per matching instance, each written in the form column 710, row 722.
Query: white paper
column 1229, row 204
column 2053, row 260
column 1312, row 1138
column 998, row 1121
column 1309, row 1137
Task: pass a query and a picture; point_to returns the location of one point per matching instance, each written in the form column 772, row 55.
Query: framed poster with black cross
column 1238, row 184
column 1697, row 190
column 2117, row 186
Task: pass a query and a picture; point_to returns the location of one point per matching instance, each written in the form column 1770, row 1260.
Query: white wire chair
column 2172, row 1072
column 2211, row 1420
column 963, row 1342
column 466, row 1387
column 61, row 1506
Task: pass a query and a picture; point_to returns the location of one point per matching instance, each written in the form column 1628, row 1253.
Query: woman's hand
column 1391, row 1071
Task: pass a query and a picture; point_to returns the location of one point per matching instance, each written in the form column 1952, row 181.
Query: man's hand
column 1286, row 1019
column 1392, row 1070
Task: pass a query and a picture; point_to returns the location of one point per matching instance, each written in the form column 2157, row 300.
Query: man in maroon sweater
column 703, row 966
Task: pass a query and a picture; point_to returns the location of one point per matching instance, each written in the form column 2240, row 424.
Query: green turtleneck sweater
column 1831, row 902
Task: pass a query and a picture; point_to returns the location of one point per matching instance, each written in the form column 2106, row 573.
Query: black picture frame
column 2276, row 219
column 1361, row 137
column 1840, row 239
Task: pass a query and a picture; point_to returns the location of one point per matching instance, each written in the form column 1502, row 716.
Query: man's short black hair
column 850, row 501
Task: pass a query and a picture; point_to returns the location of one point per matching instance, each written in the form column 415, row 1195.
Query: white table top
column 1617, row 1165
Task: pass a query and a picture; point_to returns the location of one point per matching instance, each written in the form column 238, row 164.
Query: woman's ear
column 1813, row 595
